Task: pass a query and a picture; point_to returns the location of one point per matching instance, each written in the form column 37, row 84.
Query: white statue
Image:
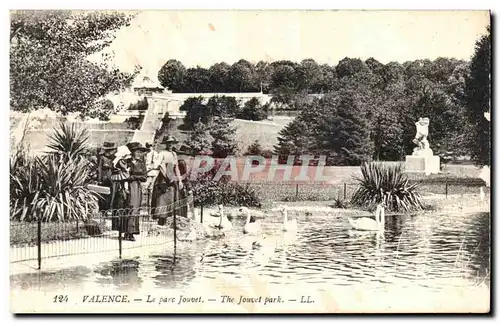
column 422, row 132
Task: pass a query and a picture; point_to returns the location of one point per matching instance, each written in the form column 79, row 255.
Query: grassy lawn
column 284, row 192
column 246, row 132
column 25, row 233
column 266, row 132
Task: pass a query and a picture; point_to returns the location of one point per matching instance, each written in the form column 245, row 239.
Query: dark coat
column 132, row 201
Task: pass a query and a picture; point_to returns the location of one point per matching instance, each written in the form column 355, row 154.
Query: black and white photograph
column 250, row 161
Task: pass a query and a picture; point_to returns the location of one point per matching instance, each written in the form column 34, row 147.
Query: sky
column 206, row 37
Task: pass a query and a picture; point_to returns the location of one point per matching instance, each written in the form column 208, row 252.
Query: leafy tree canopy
column 49, row 66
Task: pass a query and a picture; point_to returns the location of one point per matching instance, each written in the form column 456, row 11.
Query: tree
column 253, row 110
column 296, row 138
column 326, row 82
column 478, row 100
column 374, row 65
column 223, row 133
column 345, row 132
column 350, row 66
column 172, row 75
column 223, row 106
column 387, row 131
column 284, row 76
column 333, row 126
column 243, row 77
column 200, row 140
column 49, row 66
column 254, row 149
column 196, row 111
column 264, row 73
column 219, row 77
column 197, row 80
column 308, row 74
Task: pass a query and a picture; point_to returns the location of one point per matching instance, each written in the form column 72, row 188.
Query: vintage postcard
column 232, row 161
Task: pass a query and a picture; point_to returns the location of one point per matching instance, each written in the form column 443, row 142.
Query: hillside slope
column 247, row 132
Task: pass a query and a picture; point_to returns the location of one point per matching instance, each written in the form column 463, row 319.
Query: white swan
column 288, row 225
column 223, row 223
column 250, row 227
column 368, row 224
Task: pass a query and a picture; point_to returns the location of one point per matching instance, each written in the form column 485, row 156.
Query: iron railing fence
column 43, row 240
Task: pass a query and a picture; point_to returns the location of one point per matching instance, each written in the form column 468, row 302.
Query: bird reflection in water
column 123, row 273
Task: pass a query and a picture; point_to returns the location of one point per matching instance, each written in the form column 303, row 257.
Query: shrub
column 340, row 203
column 253, row 110
column 54, row 186
column 386, row 183
column 208, row 191
column 69, row 140
column 141, row 105
column 134, row 123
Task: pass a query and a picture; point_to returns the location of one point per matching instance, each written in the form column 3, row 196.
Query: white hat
column 121, row 152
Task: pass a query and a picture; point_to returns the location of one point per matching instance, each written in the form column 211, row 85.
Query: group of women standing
column 125, row 171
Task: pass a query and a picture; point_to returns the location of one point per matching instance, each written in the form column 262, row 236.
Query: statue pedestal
column 423, row 161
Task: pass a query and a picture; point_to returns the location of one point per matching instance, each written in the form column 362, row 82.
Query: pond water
column 431, row 251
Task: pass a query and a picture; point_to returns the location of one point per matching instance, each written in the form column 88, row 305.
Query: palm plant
column 25, row 186
column 388, row 184
column 66, row 196
column 69, row 140
column 53, row 187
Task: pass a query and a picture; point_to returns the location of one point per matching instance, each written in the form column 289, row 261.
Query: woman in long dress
column 128, row 222
column 166, row 186
column 104, row 171
column 183, row 161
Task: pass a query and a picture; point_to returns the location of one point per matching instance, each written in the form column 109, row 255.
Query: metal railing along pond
column 290, row 192
column 39, row 240
column 42, row 240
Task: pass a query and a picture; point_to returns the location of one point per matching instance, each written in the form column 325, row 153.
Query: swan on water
column 250, row 227
column 223, row 223
column 288, row 225
column 368, row 224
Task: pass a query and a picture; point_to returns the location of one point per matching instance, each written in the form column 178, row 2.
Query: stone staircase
column 151, row 123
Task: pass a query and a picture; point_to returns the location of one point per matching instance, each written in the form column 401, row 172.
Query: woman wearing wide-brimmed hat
column 183, row 156
column 104, row 172
column 129, row 224
column 166, row 185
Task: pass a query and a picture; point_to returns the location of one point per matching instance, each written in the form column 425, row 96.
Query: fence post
column 120, row 238
column 149, row 200
column 175, row 229
column 296, row 190
column 446, row 188
column 39, row 242
column 345, row 191
column 201, row 213
column 175, row 218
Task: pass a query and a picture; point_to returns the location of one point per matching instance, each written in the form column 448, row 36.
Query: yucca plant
column 53, row 188
column 340, row 203
column 65, row 193
column 69, row 140
column 25, row 186
column 386, row 183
